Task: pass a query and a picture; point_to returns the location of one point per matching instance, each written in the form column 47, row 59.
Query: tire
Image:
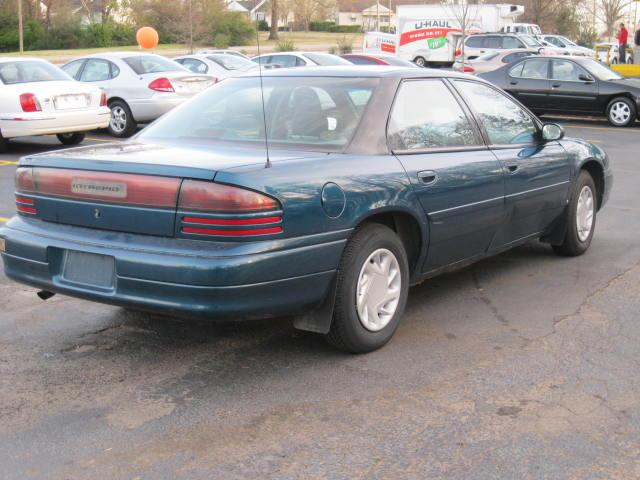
column 121, row 124
column 576, row 242
column 369, row 246
column 621, row 112
column 4, row 144
column 71, row 138
column 420, row 61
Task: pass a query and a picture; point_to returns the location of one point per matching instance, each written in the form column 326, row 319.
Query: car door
column 474, row 46
column 537, row 173
column 457, row 180
column 528, row 81
column 573, row 89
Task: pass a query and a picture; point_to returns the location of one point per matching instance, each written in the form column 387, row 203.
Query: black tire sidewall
column 129, row 129
column 632, row 108
column 420, row 61
column 74, row 139
column 356, row 338
column 572, row 244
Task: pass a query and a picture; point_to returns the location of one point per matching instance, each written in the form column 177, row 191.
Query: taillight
column 217, row 198
column 29, row 103
column 161, row 84
column 25, row 205
column 230, row 211
column 468, row 69
column 458, row 52
column 103, row 100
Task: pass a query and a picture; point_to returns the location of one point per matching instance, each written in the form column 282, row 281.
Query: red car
column 369, row 59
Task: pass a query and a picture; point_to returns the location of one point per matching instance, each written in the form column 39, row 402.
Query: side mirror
column 586, row 78
column 551, row 132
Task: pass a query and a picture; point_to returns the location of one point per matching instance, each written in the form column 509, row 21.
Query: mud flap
column 319, row 319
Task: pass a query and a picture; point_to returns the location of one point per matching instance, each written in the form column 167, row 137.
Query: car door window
column 96, row 71
column 285, row 61
column 566, row 71
column 535, row 68
column 511, row 42
column 474, row 42
column 72, row 69
column 427, row 115
column 196, row 66
column 493, row 42
column 504, row 121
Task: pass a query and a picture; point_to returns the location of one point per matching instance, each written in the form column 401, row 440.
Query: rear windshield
column 326, row 59
column 232, row 62
column 311, row 113
column 151, row 64
column 30, row 71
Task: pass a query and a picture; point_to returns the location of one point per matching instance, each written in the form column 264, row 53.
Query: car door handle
column 513, row 82
column 556, row 85
column 513, row 167
column 427, row 177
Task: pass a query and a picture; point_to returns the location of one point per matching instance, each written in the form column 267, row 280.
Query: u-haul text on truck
column 429, row 34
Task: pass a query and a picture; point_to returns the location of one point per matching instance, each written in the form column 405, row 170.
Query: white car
column 140, row 87
column 300, row 59
column 208, row 51
column 217, row 65
column 567, row 45
column 37, row 98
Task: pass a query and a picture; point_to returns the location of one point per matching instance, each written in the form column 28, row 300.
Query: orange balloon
column 147, row 37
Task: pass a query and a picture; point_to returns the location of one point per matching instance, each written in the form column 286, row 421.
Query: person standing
column 623, row 37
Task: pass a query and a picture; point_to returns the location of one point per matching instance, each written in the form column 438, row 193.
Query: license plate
column 68, row 102
column 89, row 269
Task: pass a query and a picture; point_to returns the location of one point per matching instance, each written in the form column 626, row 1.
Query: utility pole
column 191, row 27
column 20, row 30
column 377, row 16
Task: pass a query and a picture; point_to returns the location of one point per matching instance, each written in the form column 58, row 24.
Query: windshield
column 530, row 41
column 151, row 64
column 232, row 62
column 326, row 59
column 313, row 113
column 567, row 41
column 30, row 71
column 600, row 71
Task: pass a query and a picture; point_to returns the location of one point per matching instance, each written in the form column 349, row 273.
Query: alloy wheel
column 118, row 121
column 378, row 290
column 585, row 212
column 620, row 113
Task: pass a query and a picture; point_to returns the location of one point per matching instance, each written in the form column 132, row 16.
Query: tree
column 465, row 12
column 273, row 31
column 610, row 12
column 308, row 10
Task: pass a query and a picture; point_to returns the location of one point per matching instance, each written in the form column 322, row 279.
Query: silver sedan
column 140, row 87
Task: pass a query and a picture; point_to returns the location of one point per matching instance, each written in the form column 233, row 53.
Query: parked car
column 372, row 59
column 217, row 65
column 300, row 59
column 526, row 28
column 359, row 195
column 37, row 98
column 480, row 44
column 209, row 51
column 609, row 53
column 492, row 61
column 571, row 48
column 140, row 87
column 570, row 85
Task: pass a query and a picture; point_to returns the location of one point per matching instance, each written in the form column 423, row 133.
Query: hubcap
column 584, row 214
column 118, row 119
column 378, row 290
column 620, row 113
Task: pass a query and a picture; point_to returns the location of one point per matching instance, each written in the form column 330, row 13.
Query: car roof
column 369, row 71
column 123, row 54
column 22, row 59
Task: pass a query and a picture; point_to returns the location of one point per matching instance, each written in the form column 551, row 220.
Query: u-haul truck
column 429, row 34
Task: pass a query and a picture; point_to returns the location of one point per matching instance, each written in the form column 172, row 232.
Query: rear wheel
column 581, row 218
column 71, row 138
column 420, row 61
column 372, row 289
column 121, row 124
column 4, row 144
column 621, row 112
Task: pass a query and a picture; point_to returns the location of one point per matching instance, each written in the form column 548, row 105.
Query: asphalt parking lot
column 524, row 366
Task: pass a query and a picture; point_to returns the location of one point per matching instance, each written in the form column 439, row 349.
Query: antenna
column 264, row 112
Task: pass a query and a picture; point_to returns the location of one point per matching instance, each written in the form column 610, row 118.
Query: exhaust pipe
column 45, row 295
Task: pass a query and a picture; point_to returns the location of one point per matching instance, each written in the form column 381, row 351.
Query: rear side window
column 285, row 61
column 96, row 70
column 196, row 66
column 535, row 68
column 493, row 42
column 426, row 115
column 504, row 120
column 511, row 42
column 475, row 42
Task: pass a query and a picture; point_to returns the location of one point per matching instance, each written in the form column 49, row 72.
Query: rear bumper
column 46, row 123
column 147, row 110
column 180, row 277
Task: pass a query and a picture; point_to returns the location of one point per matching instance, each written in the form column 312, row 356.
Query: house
column 257, row 10
column 364, row 14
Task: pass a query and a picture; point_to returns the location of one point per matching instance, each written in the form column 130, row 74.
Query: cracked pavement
column 523, row 366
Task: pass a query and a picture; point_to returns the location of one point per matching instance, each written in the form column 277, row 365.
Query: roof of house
column 360, row 5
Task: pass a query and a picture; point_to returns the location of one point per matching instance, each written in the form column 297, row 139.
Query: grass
column 320, row 41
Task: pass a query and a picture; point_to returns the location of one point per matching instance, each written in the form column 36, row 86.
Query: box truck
column 429, row 34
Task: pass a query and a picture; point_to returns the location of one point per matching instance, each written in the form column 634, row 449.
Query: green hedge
column 332, row 27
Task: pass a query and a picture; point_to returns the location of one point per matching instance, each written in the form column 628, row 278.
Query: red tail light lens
column 25, row 205
column 108, row 187
column 103, row 100
column 161, row 84
column 458, row 52
column 214, row 197
column 468, row 69
column 29, row 103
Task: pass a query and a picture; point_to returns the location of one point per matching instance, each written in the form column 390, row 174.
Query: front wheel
column 71, row 138
column 621, row 112
column 581, row 218
column 372, row 289
column 420, row 61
